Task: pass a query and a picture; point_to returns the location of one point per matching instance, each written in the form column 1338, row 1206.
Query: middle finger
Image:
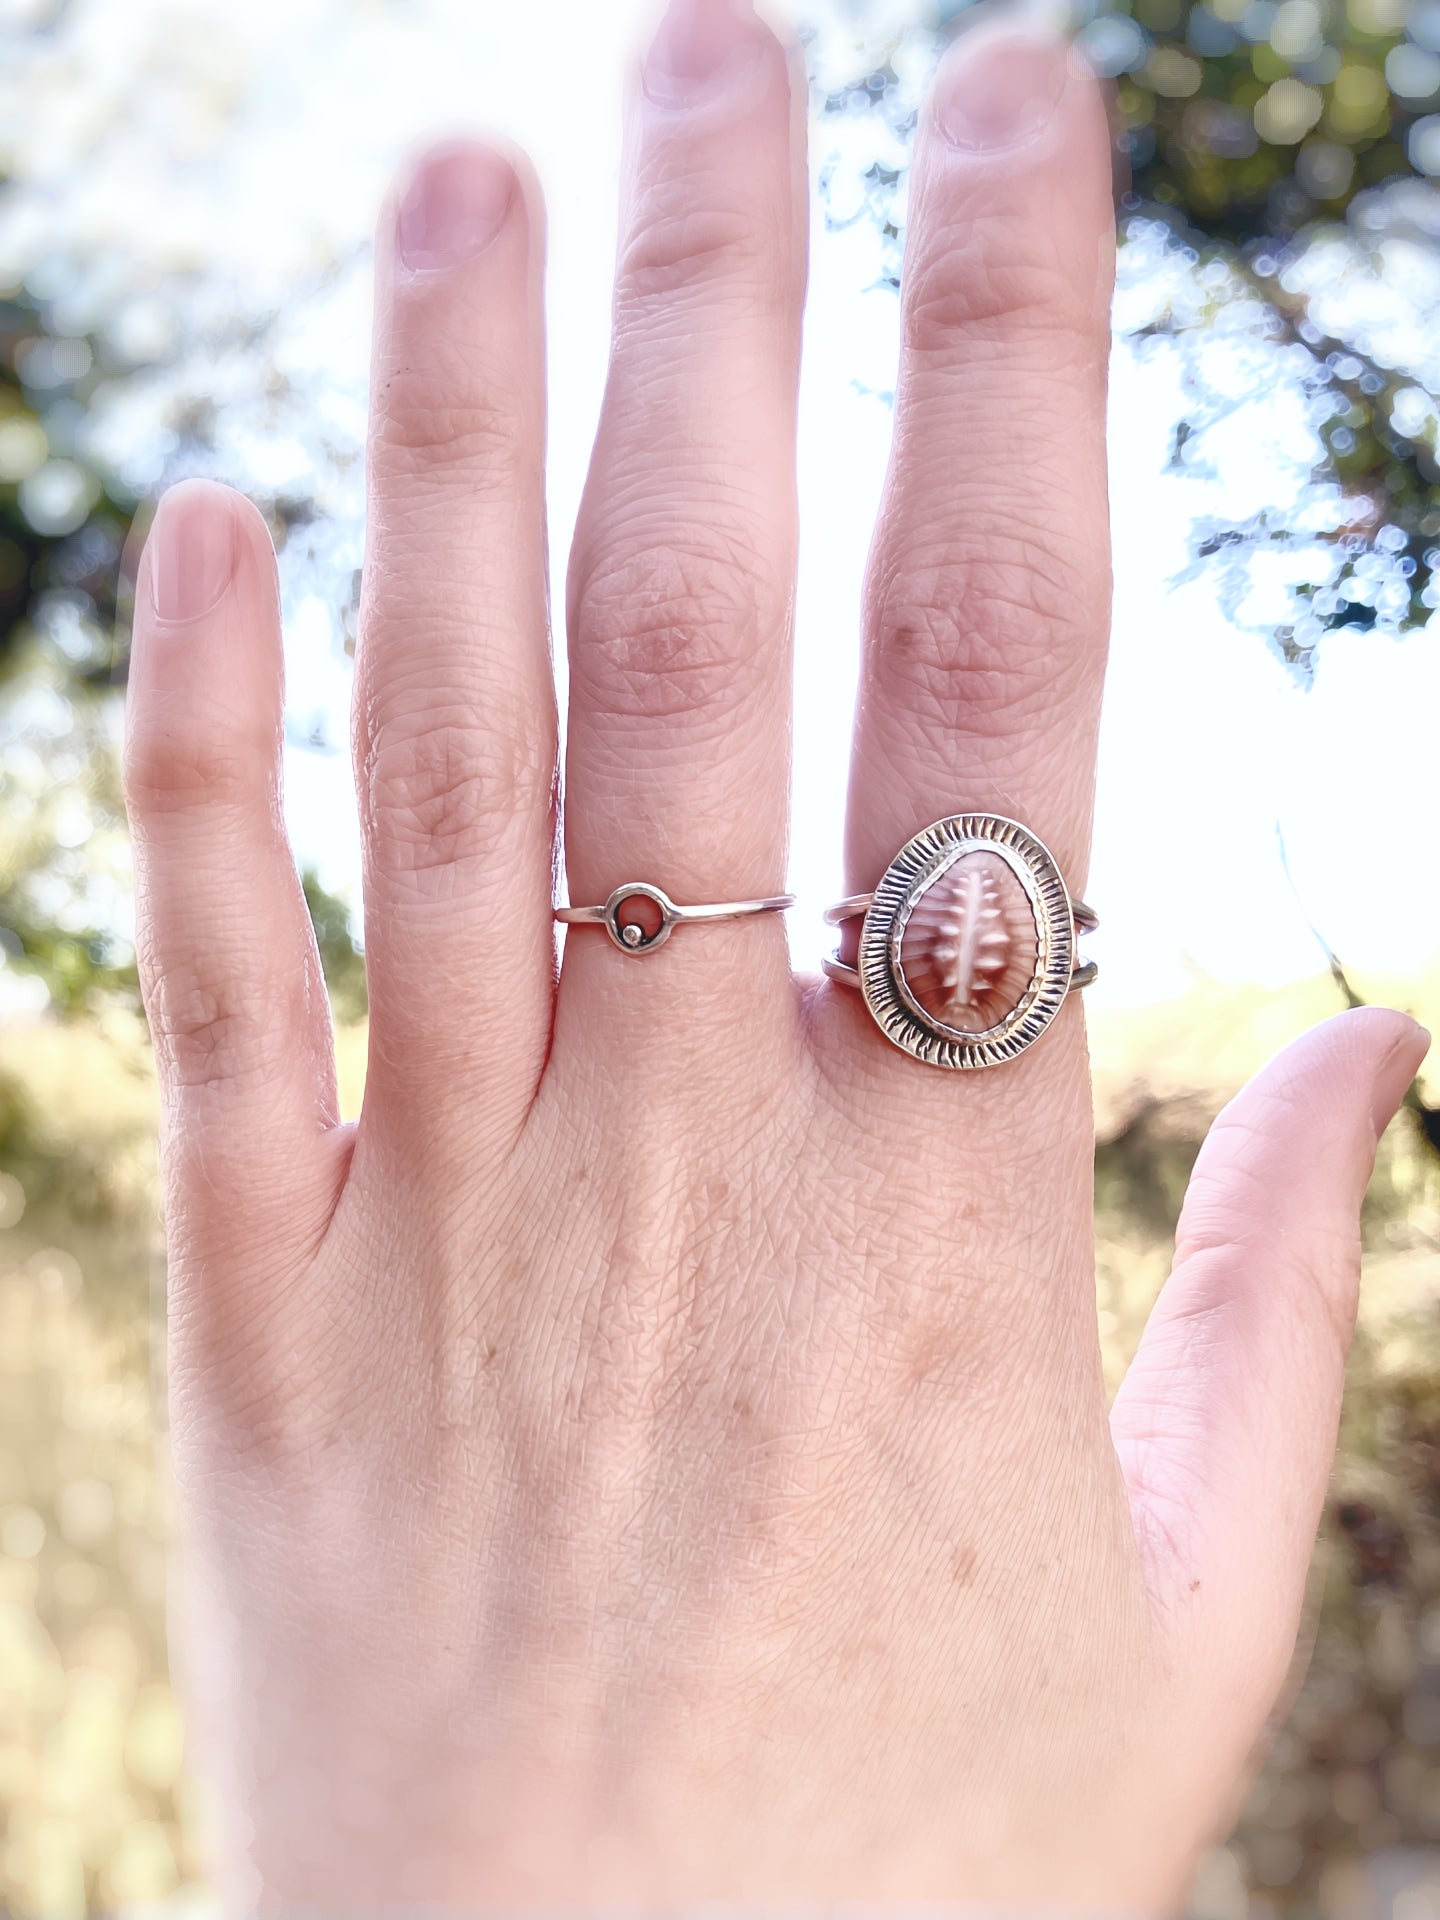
column 681, row 578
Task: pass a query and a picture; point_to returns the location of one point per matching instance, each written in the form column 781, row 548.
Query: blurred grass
column 97, row 1810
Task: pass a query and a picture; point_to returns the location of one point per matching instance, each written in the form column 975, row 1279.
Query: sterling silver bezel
column 918, row 864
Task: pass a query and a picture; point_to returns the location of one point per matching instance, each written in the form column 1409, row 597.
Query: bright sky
column 245, row 145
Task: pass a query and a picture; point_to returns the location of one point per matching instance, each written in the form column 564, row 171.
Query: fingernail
column 993, row 94
column 700, row 49
column 453, row 207
column 1396, row 1075
column 192, row 551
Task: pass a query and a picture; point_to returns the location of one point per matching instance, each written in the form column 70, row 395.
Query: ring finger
column 987, row 595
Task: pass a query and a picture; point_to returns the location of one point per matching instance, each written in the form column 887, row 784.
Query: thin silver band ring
column 633, row 936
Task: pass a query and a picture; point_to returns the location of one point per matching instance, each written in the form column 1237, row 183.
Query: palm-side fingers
column 454, row 701
column 681, row 578
column 987, row 595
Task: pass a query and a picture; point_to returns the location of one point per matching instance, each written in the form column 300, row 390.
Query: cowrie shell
column 970, row 946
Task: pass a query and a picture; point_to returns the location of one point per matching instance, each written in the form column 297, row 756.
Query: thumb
column 1225, row 1424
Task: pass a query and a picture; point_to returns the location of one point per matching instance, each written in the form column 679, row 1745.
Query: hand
column 660, row 1451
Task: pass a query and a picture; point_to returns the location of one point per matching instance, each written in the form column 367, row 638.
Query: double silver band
column 632, row 935
column 856, row 905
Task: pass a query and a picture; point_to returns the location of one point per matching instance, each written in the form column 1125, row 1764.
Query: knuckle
column 448, row 419
column 678, row 245
column 973, row 636
column 666, row 630
column 173, row 766
column 990, row 279
column 208, row 1031
column 440, row 787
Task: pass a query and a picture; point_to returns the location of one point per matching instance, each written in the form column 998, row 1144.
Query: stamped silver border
column 922, row 860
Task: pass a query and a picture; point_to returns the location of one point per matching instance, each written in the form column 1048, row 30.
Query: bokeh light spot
column 1287, row 111
column 1325, row 169
column 22, row 1533
column 57, row 497
column 1296, row 33
column 23, row 447
column 1173, row 72
column 1377, row 16
column 1358, row 98
column 12, row 1200
column 1423, row 144
column 1113, row 45
column 1412, row 72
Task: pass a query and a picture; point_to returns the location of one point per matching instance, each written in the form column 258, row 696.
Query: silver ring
column 968, row 944
column 642, row 930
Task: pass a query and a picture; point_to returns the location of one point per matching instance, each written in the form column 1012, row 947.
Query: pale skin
column 659, row 1452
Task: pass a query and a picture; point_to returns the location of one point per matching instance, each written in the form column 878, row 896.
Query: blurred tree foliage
column 342, row 960
column 62, row 522
column 1250, row 127
column 1251, row 118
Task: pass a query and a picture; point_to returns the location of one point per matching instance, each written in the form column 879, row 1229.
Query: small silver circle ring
column 634, row 934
